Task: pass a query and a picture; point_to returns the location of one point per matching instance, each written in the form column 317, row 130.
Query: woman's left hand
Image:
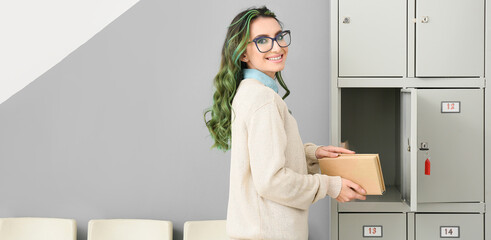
column 331, row 151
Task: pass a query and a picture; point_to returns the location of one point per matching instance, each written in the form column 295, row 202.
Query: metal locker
column 449, row 38
column 408, row 83
column 372, row 225
column 443, row 226
column 372, row 38
column 450, row 145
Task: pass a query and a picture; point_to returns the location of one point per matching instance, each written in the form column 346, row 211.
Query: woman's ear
column 244, row 58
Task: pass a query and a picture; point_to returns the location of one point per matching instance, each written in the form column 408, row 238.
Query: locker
column 397, row 123
column 449, row 38
column 455, row 142
column 372, row 38
column 444, row 226
column 408, row 82
column 366, row 225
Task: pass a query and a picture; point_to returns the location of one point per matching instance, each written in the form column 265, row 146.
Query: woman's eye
column 280, row 37
column 262, row 41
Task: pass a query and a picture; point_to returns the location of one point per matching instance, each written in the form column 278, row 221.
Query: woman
column 274, row 177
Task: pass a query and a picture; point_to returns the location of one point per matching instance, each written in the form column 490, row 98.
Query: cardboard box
column 362, row 169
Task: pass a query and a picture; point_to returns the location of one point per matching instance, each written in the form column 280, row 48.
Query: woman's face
column 268, row 62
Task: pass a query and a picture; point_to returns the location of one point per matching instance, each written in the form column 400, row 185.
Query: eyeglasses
column 265, row 44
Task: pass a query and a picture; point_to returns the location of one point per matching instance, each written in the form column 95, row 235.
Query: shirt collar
column 262, row 77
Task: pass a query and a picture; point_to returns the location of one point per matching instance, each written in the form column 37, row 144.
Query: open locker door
column 409, row 103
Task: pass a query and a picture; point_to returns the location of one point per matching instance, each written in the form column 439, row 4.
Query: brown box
column 363, row 169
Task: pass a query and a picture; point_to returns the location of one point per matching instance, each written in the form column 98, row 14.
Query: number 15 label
column 372, row 231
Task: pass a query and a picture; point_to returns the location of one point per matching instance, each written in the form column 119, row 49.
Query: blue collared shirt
column 262, row 77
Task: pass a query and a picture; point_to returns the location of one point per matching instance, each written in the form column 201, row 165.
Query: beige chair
column 37, row 229
column 205, row 230
column 129, row 229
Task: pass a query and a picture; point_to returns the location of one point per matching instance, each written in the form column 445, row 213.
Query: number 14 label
column 449, row 232
column 372, row 231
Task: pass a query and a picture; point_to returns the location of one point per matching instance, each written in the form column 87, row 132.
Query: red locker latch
column 427, row 166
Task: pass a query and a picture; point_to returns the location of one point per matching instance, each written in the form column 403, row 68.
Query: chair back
column 37, row 229
column 205, row 230
column 129, row 229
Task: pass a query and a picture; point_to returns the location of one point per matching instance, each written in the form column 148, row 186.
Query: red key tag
column 427, row 166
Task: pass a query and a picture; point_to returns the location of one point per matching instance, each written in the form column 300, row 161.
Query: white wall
column 36, row 35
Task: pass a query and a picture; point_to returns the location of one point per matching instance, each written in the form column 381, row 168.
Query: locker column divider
column 334, row 225
column 487, row 162
column 487, row 118
column 335, row 115
column 410, row 226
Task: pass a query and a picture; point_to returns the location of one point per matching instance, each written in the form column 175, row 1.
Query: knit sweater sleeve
column 267, row 143
column 312, row 161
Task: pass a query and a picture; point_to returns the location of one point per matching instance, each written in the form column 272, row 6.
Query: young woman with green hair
column 274, row 177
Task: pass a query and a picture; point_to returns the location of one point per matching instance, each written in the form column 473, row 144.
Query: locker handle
column 425, row 19
column 424, row 146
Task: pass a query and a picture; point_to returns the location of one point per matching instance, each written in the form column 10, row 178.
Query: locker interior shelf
column 392, row 194
column 389, row 202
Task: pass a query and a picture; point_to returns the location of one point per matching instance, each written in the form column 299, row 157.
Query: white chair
column 205, row 230
column 129, row 229
column 37, row 229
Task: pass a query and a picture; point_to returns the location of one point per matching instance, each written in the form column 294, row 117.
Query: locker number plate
column 372, row 231
column 450, row 107
column 449, row 232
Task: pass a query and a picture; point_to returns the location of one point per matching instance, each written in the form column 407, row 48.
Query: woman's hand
column 350, row 191
column 330, row 151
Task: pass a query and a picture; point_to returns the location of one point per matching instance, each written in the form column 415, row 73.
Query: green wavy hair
column 230, row 74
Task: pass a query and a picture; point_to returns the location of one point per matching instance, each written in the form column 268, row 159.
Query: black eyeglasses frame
column 272, row 40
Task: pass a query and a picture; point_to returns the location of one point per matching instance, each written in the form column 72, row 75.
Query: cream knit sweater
column 273, row 176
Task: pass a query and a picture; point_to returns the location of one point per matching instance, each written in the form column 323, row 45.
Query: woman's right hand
column 350, row 191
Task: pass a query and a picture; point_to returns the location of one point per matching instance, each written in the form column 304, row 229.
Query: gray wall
column 116, row 129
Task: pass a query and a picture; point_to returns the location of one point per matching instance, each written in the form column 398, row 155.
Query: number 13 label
column 372, row 231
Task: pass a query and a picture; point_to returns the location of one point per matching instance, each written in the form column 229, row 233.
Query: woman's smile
column 276, row 58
